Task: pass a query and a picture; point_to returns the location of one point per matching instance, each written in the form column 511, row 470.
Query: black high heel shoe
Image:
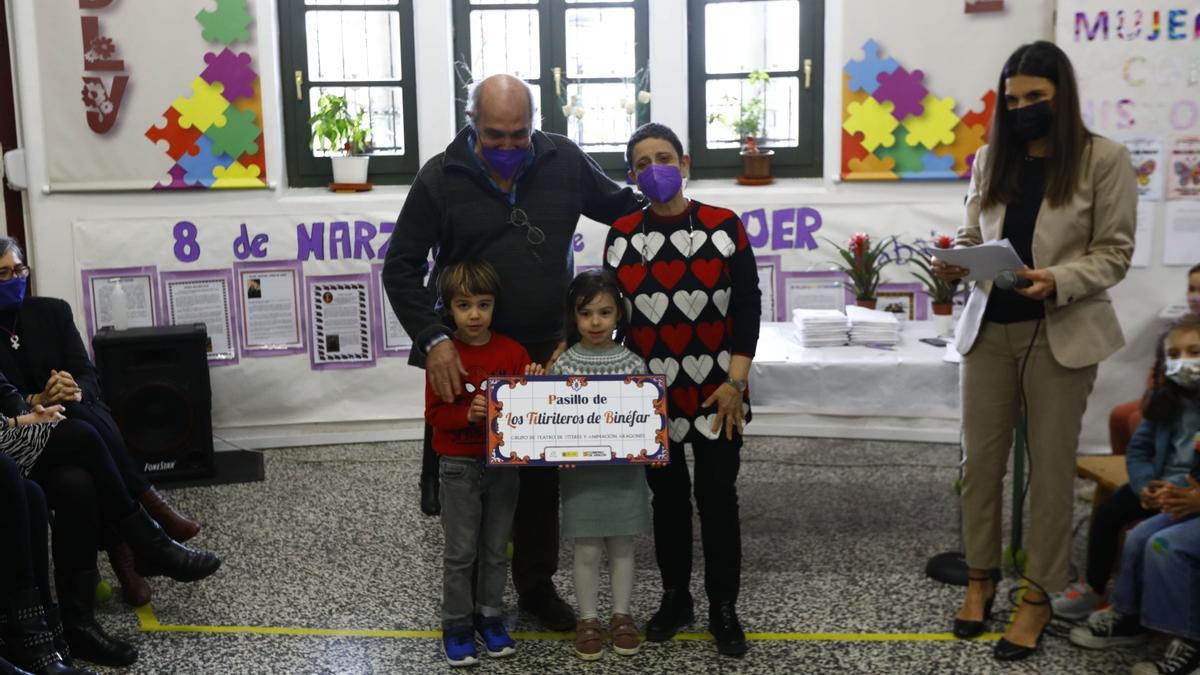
column 1008, row 651
column 965, row 630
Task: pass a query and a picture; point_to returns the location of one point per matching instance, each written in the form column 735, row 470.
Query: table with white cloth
column 905, row 392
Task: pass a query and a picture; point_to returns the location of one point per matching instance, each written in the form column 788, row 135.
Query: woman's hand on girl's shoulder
column 534, row 369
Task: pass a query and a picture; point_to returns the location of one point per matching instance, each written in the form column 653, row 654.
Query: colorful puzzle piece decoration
column 864, row 74
column 177, row 174
column 872, row 168
column 237, row 176
column 205, row 108
column 200, row 167
column 904, row 90
column 233, row 71
column 921, row 136
column 228, row 24
column 238, row 135
column 907, row 158
column 935, row 125
column 179, row 140
column 874, row 120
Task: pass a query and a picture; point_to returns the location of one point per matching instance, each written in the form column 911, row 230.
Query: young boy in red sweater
column 477, row 502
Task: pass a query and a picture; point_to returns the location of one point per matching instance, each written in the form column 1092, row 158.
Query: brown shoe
column 134, row 588
column 177, row 526
column 589, row 645
column 625, row 639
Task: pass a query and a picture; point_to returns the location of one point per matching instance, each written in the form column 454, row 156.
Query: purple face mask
column 505, row 162
column 660, row 182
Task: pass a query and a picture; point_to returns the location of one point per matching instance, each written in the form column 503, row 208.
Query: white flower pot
column 350, row 169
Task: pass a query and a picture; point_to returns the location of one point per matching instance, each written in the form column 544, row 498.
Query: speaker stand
column 231, row 466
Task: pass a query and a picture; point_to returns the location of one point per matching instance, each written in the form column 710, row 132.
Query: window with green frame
column 359, row 49
column 727, row 41
column 585, row 59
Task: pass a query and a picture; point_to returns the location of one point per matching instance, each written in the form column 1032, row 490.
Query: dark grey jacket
column 455, row 210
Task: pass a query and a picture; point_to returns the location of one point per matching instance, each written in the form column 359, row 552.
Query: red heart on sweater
column 631, row 276
column 707, row 271
column 687, row 399
column 669, row 273
column 710, row 334
column 677, row 337
column 644, row 339
column 711, row 216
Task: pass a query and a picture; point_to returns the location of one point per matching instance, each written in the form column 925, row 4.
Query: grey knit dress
column 603, row 501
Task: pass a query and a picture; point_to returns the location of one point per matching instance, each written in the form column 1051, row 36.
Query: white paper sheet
column 1144, row 239
column 139, row 299
column 203, row 301
column 1181, row 241
column 802, row 293
column 985, row 260
column 1149, row 157
column 766, row 284
column 271, row 313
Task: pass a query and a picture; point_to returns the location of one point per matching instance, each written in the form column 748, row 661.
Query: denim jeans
column 477, row 515
column 1160, row 576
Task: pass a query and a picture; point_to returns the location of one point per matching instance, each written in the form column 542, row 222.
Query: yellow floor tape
column 150, row 624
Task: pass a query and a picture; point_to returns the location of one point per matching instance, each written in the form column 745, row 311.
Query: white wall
column 1138, row 299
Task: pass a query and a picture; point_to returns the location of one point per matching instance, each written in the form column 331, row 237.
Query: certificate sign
column 203, row 301
column 576, row 419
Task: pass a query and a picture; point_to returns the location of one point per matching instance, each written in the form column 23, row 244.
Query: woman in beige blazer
column 1065, row 198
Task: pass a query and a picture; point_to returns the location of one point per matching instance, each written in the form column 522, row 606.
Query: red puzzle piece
column 852, row 148
column 180, row 141
column 983, row 119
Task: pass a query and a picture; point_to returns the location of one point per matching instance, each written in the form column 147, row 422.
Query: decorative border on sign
column 232, row 315
column 920, row 298
column 776, row 262
column 380, row 327
column 340, row 282
column 301, row 315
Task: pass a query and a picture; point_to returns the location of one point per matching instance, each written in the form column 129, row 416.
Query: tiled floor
column 836, row 535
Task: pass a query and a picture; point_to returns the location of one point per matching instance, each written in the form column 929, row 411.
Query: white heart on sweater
column 616, row 251
column 691, row 303
column 724, row 243
column 652, row 306
column 704, row 425
column 668, row 367
column 723, row 360
column 648, row 244
column 697, row 367
column 679, row 429
column 688, row 243
column 721, row 299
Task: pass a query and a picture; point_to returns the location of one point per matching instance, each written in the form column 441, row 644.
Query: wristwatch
column 435, row 341
column 740, row 385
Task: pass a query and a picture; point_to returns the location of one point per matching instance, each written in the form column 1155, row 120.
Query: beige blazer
column 1085, row 243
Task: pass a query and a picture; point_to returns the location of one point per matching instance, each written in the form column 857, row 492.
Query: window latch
column 808, row 73
column 299, row 85
column 557, row 80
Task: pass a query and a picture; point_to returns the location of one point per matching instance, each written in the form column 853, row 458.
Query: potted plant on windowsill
column 750, row 120
column 863, row 263
column 335, row 129
column 941, row 293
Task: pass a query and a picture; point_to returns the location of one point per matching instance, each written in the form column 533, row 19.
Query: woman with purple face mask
column 692, row 283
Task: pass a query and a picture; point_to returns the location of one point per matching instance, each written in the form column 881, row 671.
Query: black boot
column 674, row 613
column 7, row 668
column 726, row 629
column 430, row 504
column 89, row 642
column 54, row 623
column 28, row 639
column 156, row 554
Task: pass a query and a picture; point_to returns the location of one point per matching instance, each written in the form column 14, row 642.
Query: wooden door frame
column 14, row 210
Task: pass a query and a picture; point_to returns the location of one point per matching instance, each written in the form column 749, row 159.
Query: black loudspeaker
column 156, row 382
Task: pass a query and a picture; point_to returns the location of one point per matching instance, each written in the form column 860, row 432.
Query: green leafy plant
column 940, row 292
column 751, row 117
column 334, row 128
column 863, row 263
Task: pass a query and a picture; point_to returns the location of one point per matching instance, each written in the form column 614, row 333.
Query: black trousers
column 84, row 488
column 24, row 524
column 717, row 463
column 1121, row 509
column 106, row 426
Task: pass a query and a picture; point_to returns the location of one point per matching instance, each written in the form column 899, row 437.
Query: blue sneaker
column 496, row 639
column 458, row 644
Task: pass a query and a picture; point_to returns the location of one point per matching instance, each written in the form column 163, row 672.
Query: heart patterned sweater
column 693, row 301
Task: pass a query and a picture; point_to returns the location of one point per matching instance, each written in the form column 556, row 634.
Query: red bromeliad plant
column 863, row 263
column 940, row 292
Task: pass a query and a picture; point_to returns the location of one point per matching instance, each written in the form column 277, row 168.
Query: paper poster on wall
column 340, row 310
column 1181, row 237
column 1144, row 237
column 269, row 296
column 136, row 284
column 1183, row 179
column 204, row 297
column 1149, row 163
column 144, row 95
column 813, row 290
column 768, row 268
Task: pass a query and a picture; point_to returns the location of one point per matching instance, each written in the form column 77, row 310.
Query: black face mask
column 1031, row 122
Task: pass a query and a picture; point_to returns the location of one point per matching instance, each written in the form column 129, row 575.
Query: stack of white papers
column 872, row 327
column 820, row 327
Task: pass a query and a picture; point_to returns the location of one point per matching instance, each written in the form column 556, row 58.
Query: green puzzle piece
column 238, row 136
column 228, row 24
column 909, row 159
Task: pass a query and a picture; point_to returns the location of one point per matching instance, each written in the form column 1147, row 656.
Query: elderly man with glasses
column 511, row 195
